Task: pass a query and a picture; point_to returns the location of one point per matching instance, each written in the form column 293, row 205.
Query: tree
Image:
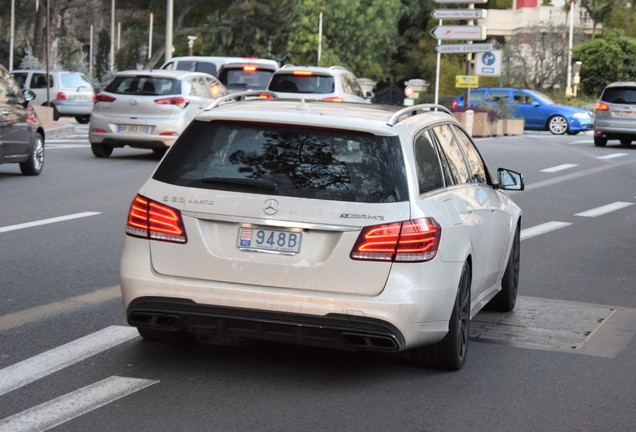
column 605, row 60
column 598, row 10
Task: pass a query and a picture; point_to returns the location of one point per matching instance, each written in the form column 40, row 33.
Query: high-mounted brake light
column 179, row 101
column 333, row 99
column 600, row 106
column 407, row 241
column 155, row 221
column 265, row 96
column 249, row 68
column 303, row 73
column 101, row 97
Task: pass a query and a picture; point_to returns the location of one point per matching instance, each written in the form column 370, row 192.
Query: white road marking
column 71, row 405
column 612, row 156
column 542, row 229
column 34, row 368
column 604, row 209
column 38, row 313
column 46, row 221
column 559, row 168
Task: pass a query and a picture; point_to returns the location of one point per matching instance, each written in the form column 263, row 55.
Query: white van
column 70, row 93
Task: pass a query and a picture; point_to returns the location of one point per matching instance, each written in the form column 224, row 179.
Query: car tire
column 35, row 162
column 600, row 141
column 626, row 142
column 450, row 352
column 558, row 125
column 571, row 132
column 56, row 114
column 83, row 119
column 506, row 299
column 159, row 335
column 101, row 150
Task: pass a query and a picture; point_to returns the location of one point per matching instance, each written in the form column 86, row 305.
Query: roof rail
column 415, row 110
column 235, row 97
column 338, row 67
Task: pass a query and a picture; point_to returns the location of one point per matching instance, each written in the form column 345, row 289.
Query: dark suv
column 616, row 114
column 21, row 133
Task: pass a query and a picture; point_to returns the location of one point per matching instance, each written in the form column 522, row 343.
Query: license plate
column 271, row 241
column 79, row 97
column 133, row 129
column 627, row 114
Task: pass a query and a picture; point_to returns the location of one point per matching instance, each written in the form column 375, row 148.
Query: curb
column 57, row 130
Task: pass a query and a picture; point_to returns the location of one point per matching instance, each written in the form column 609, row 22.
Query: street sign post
column 463, row 48
column 459, row 32
column 460, row 14
column 466, row 81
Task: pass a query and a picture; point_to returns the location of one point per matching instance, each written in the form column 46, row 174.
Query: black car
column 21, row 132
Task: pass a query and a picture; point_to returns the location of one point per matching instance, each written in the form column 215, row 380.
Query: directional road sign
column 463, row 48
column 460, row 14
column 459, row 32
column 466, row 81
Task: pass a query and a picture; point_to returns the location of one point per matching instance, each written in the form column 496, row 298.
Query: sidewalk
column 57, row 129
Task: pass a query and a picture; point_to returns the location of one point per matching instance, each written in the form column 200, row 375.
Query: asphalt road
column 562, row 361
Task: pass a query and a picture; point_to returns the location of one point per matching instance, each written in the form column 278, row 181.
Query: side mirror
column 368, row 95
column 28, row 95
column 535, row 104
column 510, row 180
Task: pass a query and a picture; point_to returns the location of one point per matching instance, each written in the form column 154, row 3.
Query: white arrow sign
column 459, row 32
column 459, row 14
column 463, row 48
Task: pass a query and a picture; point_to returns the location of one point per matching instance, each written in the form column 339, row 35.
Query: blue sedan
column 538, row 110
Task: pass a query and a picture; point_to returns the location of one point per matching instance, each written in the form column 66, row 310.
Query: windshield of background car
column 241, row 78
column 620, row 95
column 144, row 85
column 542, row 97
column 75, row 80
column 291, row 83
column 296, row 161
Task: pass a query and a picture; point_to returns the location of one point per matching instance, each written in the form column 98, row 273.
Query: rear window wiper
column 243, row 182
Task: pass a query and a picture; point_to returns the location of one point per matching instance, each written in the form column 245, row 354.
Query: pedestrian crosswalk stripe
column 71, row 405
column 34, row 368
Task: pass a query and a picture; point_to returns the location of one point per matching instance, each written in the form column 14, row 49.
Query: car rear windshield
column 288, row 161
column 288, row 83
column 144, row 85
column 620, row 95
column 75, row 80
column 241, row 78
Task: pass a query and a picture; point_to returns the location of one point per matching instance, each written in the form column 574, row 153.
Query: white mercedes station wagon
column 352, row 226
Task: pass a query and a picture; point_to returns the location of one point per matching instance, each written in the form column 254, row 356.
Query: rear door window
column 302, row 162
column 453, row 153
column 427, row 164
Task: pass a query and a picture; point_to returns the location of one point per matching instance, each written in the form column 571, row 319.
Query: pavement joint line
column 29, row 316
column 74, row 404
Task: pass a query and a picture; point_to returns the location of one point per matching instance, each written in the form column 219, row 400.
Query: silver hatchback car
column 353, row 226
column 149, row 109
column 332, row 84
column 616, row 114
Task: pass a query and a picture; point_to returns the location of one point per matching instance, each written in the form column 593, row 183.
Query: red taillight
column 249, row 68
column 333, row 99
column 600, row 106
column 177, row 100
column 454, row 104
column 101, row 97
column 303, row 72
column 408, row 241
column 155, row 221
column 60, row 96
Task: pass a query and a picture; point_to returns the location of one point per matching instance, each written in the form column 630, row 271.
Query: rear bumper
column 332, row 330
column 69, row 108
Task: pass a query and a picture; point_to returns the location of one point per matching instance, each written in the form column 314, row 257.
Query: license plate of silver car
column 284, row 242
